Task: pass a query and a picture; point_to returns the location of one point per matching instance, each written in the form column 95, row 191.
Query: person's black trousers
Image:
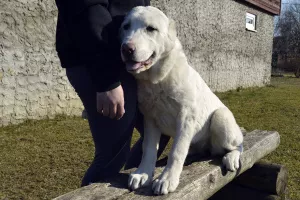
column 111, row 137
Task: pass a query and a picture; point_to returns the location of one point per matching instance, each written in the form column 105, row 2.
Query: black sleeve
column 92, row 30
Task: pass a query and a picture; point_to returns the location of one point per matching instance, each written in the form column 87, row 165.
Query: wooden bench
column 202, row 179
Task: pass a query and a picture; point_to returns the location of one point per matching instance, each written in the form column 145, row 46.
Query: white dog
column 174, row 100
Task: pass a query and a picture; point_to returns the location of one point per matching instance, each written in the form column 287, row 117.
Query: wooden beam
column 238, row 192
column 199, row 180
column 267, row 177
column 272, row 6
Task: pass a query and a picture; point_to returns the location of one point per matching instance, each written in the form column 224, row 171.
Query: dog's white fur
column 175, row 101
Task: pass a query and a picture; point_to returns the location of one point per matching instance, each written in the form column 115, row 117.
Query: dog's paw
column 137, row 180
column 167, row 182
column 232, row 160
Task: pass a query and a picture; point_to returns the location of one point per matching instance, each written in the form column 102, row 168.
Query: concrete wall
column 32, row 83
column 213, row 35
column 34, row 86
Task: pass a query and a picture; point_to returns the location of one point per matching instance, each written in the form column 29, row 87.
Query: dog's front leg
column 143, row 175
column 169, row 179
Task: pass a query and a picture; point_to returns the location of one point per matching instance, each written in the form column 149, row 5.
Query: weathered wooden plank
column 104, row 191
column 199, row 180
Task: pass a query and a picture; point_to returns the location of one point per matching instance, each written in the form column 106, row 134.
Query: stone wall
column 34, row 86
column 217, row 44
column 32, row 83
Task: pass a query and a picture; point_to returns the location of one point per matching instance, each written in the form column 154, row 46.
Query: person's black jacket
column 87, row 35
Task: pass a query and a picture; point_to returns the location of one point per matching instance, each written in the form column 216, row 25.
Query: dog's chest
column 158, row 103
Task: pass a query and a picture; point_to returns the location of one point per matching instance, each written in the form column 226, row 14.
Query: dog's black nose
column 128, row 49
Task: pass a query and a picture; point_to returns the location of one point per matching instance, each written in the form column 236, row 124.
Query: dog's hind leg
column 226, row 137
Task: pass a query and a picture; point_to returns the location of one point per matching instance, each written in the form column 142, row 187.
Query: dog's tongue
column 133, row 65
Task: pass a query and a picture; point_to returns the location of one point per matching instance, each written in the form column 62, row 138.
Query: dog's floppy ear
column 172, row 29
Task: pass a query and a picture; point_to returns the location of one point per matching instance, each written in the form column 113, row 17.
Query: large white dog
column 174, row 100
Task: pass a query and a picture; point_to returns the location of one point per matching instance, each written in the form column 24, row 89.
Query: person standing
column 88, row 47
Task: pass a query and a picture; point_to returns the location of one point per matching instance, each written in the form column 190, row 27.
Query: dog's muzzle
column 128, row 50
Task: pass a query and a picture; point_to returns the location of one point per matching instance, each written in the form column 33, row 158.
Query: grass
column 46, row 158
column 43, row 159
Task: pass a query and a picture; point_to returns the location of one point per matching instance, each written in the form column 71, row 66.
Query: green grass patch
column 44, row 159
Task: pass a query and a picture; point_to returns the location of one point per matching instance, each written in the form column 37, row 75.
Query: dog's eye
column 126, row 26
column 151, row 28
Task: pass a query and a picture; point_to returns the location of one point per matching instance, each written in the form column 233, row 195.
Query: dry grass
column 42, row 159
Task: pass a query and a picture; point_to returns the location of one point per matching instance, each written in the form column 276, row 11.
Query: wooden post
column 238, row 192
column 267, row 177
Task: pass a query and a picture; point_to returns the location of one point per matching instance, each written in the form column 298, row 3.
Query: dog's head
column 146, row 36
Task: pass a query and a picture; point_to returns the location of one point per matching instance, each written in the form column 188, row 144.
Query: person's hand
column 111, row 103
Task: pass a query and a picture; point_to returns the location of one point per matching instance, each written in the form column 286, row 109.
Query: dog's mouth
column 134, row 66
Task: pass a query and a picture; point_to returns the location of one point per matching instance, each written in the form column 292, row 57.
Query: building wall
column 32, row 83
column 217, row 44
column 34, row 86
